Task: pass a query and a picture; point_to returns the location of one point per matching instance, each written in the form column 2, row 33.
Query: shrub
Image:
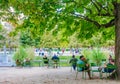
column 20, row 56
column 23, row 55
column 30, row 53
column 87, row 53
column 97, row 56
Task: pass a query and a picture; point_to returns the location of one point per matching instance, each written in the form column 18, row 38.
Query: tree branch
column 90, row 20
column 105, row 14
column 109, row 24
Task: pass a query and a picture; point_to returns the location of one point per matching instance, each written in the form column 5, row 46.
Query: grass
column 64, row 61
column 93, row 57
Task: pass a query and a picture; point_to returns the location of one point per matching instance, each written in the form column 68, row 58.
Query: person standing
column 73, row 61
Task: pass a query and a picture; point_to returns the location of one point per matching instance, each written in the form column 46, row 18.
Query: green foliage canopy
column 68, row 16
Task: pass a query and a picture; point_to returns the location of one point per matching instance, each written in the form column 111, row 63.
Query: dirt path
column 38, row 75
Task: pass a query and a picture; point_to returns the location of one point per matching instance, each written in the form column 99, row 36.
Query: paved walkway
column 44, row 75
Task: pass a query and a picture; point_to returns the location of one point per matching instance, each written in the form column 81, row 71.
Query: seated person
column 73, row 61
column 55, row 59
column 45, row 60
column 110, row 58
column 83, row 60
column 109, row 70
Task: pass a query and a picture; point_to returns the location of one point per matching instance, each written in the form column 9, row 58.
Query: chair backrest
column 93, row 64
column 111, row 66
column 81, row 65
column 56, row 60
column 103, row 60
column 45, row 60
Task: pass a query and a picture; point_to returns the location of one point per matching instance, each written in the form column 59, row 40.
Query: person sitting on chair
column 46, row 60
column 109, row 70
column 55, row 59
column 83, row 60
column 73, row 61
column 110, row 58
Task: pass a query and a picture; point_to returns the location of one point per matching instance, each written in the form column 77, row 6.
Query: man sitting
column 55, row 60
column 83, row 60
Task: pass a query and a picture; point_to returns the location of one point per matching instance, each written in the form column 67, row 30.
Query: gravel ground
column 44, row 75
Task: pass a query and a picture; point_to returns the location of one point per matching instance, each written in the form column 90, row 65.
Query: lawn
column 64, row 61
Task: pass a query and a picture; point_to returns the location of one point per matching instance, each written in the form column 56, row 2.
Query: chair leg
column 101, row 75
column 109, row 74
column 92, row 73
column 82, row 74
column 59, row 65
column 71, row 69
column 115, row 76
column 106, row 75
column 76, row 75
column 85, row 75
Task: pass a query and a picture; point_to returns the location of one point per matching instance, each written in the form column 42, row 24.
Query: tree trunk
column 117, row 37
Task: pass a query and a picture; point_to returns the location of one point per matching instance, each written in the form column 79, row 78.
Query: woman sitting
column 108, row 68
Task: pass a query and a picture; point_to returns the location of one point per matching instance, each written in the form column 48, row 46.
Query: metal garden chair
column 82, row 66
column 108, row 72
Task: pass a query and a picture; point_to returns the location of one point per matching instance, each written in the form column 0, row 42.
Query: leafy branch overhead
column 67, row 17
column 101, row 10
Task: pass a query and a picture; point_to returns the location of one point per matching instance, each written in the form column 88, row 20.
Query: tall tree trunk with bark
column 117, row 37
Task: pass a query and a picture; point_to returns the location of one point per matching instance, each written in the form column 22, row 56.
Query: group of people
column 54, row 59
column 82, row 60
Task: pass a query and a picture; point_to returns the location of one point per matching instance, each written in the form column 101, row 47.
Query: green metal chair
column 27, row 64
column 95, row 68
column 46, row 62
column 113, row 67
column 103, row 60
column 39, row 62
column 56, row 63
column 63, row 62
column 93, row 64
column 82, row 66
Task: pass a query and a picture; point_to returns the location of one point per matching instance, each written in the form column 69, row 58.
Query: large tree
column 84, row 17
